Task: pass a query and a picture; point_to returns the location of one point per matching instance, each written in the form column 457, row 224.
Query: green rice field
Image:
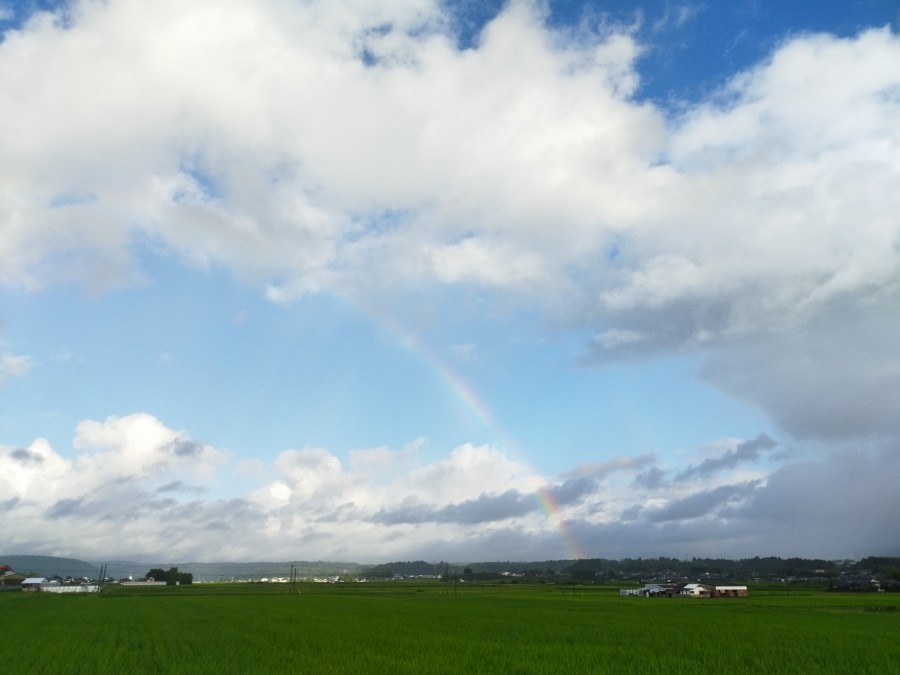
column 429, row 628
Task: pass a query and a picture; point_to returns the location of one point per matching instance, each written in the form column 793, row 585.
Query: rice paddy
column 427, row 628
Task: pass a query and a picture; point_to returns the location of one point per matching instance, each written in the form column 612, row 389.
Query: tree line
column 599, row 569
column 171, row 576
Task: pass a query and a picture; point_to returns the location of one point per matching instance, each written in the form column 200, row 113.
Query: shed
column 731, row 592
column 697, row 591
column 33, row 583
column 9, row 577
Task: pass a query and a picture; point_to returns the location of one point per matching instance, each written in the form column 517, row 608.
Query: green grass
column 409, row 628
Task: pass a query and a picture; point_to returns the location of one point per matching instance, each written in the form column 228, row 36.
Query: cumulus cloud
column 140, row 445
column 362, row 147
column 231, row 133
column 136, row 450
column 244, row 145
column 128, row 493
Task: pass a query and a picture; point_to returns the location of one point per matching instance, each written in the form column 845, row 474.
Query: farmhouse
column 697, row 591
column 654, row 590
column 9, row 579
column 643, row 592
column 685, row 591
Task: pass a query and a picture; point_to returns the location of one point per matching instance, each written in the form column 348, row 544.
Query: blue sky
column 327, row 280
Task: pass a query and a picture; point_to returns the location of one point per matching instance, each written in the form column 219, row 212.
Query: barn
column 696, row 591
column 33, row 583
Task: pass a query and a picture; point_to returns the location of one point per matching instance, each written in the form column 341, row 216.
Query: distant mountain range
column 226, row 571
column 49, row 566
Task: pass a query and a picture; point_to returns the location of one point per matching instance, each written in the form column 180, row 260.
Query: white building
column 33, row 583
column 69, row 588
column 696, row 591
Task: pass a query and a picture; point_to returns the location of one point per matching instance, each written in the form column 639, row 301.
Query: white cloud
column 122, row 494
column 127, row 499
column 517, row 165
column 675, row 16
column 244, row 144
column 272, row 496
column 140, row 446
column 468, row 472
column 234, row 133
column 311, row 473
column 35, row 473
column 350, row 145
column 13, row 366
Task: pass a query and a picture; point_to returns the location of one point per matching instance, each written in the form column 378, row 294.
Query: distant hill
column 226, row 571
column 256, row 570
column 49, row 566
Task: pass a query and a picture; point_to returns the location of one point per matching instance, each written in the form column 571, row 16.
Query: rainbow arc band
column 465, row 394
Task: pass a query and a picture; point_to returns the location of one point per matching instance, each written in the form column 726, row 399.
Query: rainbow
column 461, row 390
column 554, row 515
column 470, row 401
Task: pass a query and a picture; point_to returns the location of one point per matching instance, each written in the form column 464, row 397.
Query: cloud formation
column 368, row 148
column 230, row 133
column 743, row 452
column 130, row 493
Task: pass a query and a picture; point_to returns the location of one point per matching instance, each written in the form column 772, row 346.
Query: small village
column 637, row 578
column 685, row 590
